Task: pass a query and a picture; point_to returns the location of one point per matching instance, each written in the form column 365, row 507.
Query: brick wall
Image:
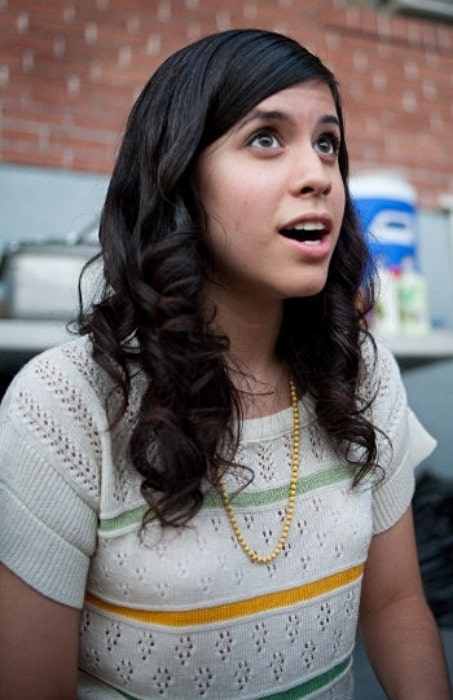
column 70, row 70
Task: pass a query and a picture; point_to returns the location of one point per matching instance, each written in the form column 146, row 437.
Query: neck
column 255, row 370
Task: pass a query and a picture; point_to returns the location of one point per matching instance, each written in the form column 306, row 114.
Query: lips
column 311, row 229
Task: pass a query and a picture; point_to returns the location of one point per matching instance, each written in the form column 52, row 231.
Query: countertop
column 20, row 339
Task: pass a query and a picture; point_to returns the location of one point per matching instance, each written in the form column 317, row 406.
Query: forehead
column 307, row 99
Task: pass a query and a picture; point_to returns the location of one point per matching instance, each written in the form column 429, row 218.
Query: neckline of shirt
column 276, row 424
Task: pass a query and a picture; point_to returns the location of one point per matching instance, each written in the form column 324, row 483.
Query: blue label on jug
column 389, row 228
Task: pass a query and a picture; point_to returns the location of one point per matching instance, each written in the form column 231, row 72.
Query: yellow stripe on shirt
column 229, row 611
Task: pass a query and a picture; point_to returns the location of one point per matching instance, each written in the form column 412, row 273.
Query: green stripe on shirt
column 241, row 499
column 300, row 691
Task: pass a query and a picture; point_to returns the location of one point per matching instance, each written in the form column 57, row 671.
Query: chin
column 310, row 290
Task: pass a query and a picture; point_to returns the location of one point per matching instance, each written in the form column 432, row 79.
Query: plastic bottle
column 412, row 300
column 386, row 312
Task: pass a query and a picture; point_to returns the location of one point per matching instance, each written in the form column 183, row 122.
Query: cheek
column 216, row 193
column 339, row 201
column 229, row 207
column 247, row 204
column 341, row 196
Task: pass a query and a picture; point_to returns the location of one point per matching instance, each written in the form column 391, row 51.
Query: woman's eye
column 328, row 145
column 266, row 140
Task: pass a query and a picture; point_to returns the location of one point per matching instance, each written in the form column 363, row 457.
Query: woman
column 213, row 468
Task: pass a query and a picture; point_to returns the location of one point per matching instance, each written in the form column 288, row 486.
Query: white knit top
column 183, row 613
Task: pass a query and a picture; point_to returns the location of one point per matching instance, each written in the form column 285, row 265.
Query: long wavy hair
column 151, row 318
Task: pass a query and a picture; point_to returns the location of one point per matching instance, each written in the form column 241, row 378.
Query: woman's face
column 274, row 196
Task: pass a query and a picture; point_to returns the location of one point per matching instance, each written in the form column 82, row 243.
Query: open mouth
column 311, row 232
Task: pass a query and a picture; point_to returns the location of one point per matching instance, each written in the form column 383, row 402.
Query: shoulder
column 402, row 442
column 53, row 416
column 62, row 377
column 382, row 398
column 381, row 387
column 378, row 362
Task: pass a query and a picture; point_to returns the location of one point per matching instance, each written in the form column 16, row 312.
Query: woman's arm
column 39, row 641
column 398, row 629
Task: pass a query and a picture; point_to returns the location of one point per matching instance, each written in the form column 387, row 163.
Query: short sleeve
column 402, row 441
column 50, row 455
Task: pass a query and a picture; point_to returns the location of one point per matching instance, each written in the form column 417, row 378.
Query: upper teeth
column 309, row 226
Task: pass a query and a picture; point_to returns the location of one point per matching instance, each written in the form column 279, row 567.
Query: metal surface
column 41, row 280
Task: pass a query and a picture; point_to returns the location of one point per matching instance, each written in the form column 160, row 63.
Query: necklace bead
column 292, row 492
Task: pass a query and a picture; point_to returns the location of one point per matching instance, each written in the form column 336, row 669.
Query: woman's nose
column 311, row 176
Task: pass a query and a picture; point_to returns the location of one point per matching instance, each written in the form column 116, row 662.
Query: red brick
column 105, row 52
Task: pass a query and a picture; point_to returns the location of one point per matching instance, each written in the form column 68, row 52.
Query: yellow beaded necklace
column 257, row 558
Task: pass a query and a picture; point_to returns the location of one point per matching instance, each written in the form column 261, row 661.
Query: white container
column 387, row 209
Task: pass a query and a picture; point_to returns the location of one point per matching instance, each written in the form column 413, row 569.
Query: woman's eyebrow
column 277, row 115
column 330, row 119
column 264, row 115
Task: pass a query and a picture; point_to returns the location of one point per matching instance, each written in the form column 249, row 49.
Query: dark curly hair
column 151, row 318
